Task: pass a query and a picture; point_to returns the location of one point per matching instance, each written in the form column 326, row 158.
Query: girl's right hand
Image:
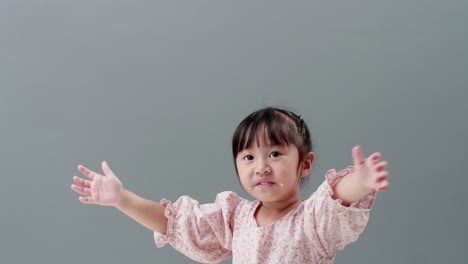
column 99, row 189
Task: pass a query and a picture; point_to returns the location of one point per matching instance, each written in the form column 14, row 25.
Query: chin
column 266, row 197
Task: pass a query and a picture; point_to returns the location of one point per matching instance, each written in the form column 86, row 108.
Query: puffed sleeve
column 330, row 223
column 201, row 232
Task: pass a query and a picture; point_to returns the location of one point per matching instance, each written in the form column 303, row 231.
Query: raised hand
column 99, row 189
column 371, row 171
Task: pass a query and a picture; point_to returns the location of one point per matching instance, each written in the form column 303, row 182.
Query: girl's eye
column 248, row 157
column 274, row 154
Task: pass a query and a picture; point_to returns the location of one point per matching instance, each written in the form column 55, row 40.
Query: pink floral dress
column 311, row 233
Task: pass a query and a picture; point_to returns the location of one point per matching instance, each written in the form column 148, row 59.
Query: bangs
column 264, row 129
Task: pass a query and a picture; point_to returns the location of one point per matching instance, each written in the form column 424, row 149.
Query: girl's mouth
column 265, row 183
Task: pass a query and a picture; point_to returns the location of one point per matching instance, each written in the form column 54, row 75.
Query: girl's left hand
column 372, row 171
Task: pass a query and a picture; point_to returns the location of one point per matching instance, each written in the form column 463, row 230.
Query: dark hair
column 274, row 125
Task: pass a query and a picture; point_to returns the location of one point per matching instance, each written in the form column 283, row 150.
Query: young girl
column 272, row 154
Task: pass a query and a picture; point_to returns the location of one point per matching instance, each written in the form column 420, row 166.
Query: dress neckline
column 255, row 207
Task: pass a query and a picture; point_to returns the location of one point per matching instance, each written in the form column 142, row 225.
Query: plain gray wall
column 157, row 88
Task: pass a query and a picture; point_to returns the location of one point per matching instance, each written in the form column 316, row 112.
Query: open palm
column 98, row 189
column 372, row 170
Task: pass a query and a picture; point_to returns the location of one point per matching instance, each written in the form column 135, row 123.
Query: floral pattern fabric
column 310, row 233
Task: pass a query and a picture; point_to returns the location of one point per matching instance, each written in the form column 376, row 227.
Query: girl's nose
column 262, row 168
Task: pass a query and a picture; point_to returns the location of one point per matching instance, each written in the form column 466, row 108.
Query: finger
column 383, row 186
column 107, row 171
column 382, row 176
column 358, row 156
column 381, row 166
column 87, row 172
column 81, row 189
column 375, row 157
column 81, row 182
column 86, row 200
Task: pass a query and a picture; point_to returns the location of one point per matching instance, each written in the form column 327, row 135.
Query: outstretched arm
column 369, row 174
column 107, row 190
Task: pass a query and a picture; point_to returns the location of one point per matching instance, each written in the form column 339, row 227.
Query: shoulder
column 230, row 202
column 229, row 198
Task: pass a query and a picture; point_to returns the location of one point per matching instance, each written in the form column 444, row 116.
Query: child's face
column 271, row 173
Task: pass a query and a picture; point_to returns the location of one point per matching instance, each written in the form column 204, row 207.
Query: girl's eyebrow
column 275, row 146
column 245, row 151
column 269, row 146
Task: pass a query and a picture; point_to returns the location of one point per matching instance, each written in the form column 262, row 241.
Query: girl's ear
column 307, row 164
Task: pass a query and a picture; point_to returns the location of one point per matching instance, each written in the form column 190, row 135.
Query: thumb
column 358, row 156
column 107, row 171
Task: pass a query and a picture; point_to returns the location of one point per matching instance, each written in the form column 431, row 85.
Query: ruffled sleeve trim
column 332, row 178
column 170, row 213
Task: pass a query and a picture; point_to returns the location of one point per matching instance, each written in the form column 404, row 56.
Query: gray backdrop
column 157, row 88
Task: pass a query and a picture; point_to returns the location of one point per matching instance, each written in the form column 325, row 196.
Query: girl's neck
column 269, row 212
column 281, row 206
